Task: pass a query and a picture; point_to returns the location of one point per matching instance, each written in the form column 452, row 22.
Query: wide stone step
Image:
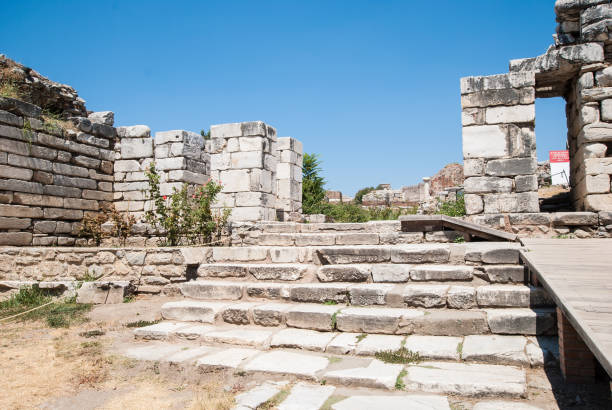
column 457, row 378
column 439, row 295
column 377, row 273
column 421, row 253
column 495, row 349
column 379, row 320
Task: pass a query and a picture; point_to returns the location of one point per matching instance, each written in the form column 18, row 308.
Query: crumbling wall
column 289, row 179
column 498, row 117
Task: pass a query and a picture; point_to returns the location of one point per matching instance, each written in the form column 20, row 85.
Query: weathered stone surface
column 390, row 272
column 240, row 336
column 134, row 131
column 426, row 296
column 211, row 290
column 280, row 362
column 316, row 317
column 522, row 321
column 369, row 294
column 376, row 375
column 511, row 167
column 192, row 311
column 575, row 219
column 373, row 343
column 434, row 347
column 486, row 141
column 494, row 253
column 328, row 292
column 159, row 331
column 343, row 343
column 152, row 352
column 410, row 401
column 420, row 253
column 461, row 297
column 508, row 203
column 505, row 273
column 103, row 292
column 302, row 339
column 511, row 114
column 270, row 314
column 344, row 273
column 226, row 358
column 441, row 273
column 354, row 254
column 495, row 349
column 525, row 183
column 306, row 397
column 473, row 204
column 503, row 296
column 466, row 379
column 238, row 313
column 503, row 405
column 487, row 184
column 370, row 320
column 447, row 323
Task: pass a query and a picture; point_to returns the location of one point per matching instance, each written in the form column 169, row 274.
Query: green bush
column 453, row 208
column 356, row 213
column 360, row 194
column 185, row 217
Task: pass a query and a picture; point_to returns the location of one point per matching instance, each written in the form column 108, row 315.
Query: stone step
column 424, row 295
column 444, row 322
column 377, row 273
column 478, row 253
column 457, row 378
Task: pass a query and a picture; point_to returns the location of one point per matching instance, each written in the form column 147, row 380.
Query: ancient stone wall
column 498, row 117
column 289, row 179
column 50, row 175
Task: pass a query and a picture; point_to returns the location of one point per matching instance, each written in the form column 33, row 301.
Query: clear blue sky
column 371, row 86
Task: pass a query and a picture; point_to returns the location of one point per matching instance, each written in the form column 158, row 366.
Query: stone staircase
column 284, row 309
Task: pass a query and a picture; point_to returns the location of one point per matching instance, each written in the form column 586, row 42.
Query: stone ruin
column 498, row 118
column 59, row 162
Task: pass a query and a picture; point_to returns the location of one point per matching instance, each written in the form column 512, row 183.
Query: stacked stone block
column 498, row 118
column 52, row 174
column 289, row 179
column 589, row 112
column 134, row 154
column 181, row 157
column 243, row 159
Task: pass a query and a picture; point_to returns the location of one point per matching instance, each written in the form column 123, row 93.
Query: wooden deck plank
column 577, row 273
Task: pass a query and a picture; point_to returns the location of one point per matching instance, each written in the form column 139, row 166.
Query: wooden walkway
column 577, row 273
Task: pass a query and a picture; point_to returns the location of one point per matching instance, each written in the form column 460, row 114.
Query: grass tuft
column 361, row 337
column 401, row 355
column 399, row 382
column 143, row 323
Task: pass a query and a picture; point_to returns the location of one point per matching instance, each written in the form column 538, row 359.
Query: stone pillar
column 134, row 154
column 243, row 160
column 180, row 158
column 289, row 179
column 498, row 118
column 425, row 189
column 576, row 360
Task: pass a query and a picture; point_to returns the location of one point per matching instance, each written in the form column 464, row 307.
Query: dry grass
column 9, row 89
column 212, row 397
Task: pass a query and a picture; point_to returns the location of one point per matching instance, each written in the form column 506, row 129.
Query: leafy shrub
column 361, row 193
column 205, row 134
column 356, row 213
column 91, row 226
column 453, row 208
column 185, row 217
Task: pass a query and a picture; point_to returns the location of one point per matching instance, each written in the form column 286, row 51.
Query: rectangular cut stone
column 306, row 397
column 434, row 347
column 316, row 317
column 507, row 203
column 511, row 167
column 487, row 184
column 495, row 349
column 343, row 343
column 369, row 320
column 484, row 141
column 441, row 273
column 376, row 375
column 503, row 296
column 420, row 253
column 494, row 253
column 319, row 293
column 159, row 331
column 302, row 339
column 211, row 290
column 270, row 314
column 354, row 254
column 390, row 272
column 240, row 336
column 226, row 358
column 427, row 296
column 512, row 114
column 299, row 364
column 372, row 343
column 522, row 321
column 192, row 311
column 466, row 379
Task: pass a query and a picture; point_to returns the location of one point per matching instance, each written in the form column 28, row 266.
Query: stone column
column 289, row 179
column 498, row 118
column 576, row 360
column 242, row 159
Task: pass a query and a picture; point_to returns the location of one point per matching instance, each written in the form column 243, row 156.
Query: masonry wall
column 50, row 177
column 289, row 179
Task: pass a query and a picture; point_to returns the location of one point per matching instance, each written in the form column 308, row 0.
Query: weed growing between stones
column 399, row 382
column 399, row 356
column 143, row 323
column 9, row 89
column 330, row 302
column 60, row 313
column 276, row 400
column 109, row 223
column 361, row 337
column 453, row 208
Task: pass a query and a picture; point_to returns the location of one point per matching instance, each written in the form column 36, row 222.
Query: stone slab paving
column 304, row 396
column 302, row 339
column 504, row 405
column 283, row 362
column 371, row 344
column 377, row 375
column 257, row 396
column 466, row 379
column 241, row 336
column 343, row 343
column 159, row 330
column 495, row 349
column 192, row 310
column 187, row 354
column 226, row 358
column 404, row 402
column 193, row 332
column 152, row 351
column 435, row 347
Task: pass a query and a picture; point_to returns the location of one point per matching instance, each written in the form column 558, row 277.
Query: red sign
column 559, row 156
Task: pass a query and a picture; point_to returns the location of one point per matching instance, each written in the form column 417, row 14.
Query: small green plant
column 459, row 239
column 453, row 208
column 334, row 320
column 334, row 359
column 143, row 323
column 361, row 337
column 128, row 299
column 399, row 382
column 56, row 312
column 205, row 134
column 460, row 348
column 27, row 133
column 330, row 302
column 122, row 223
column 401, row 355
column 276, row 400
column 323, row 382
column 185, row 217
column 563, row 236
